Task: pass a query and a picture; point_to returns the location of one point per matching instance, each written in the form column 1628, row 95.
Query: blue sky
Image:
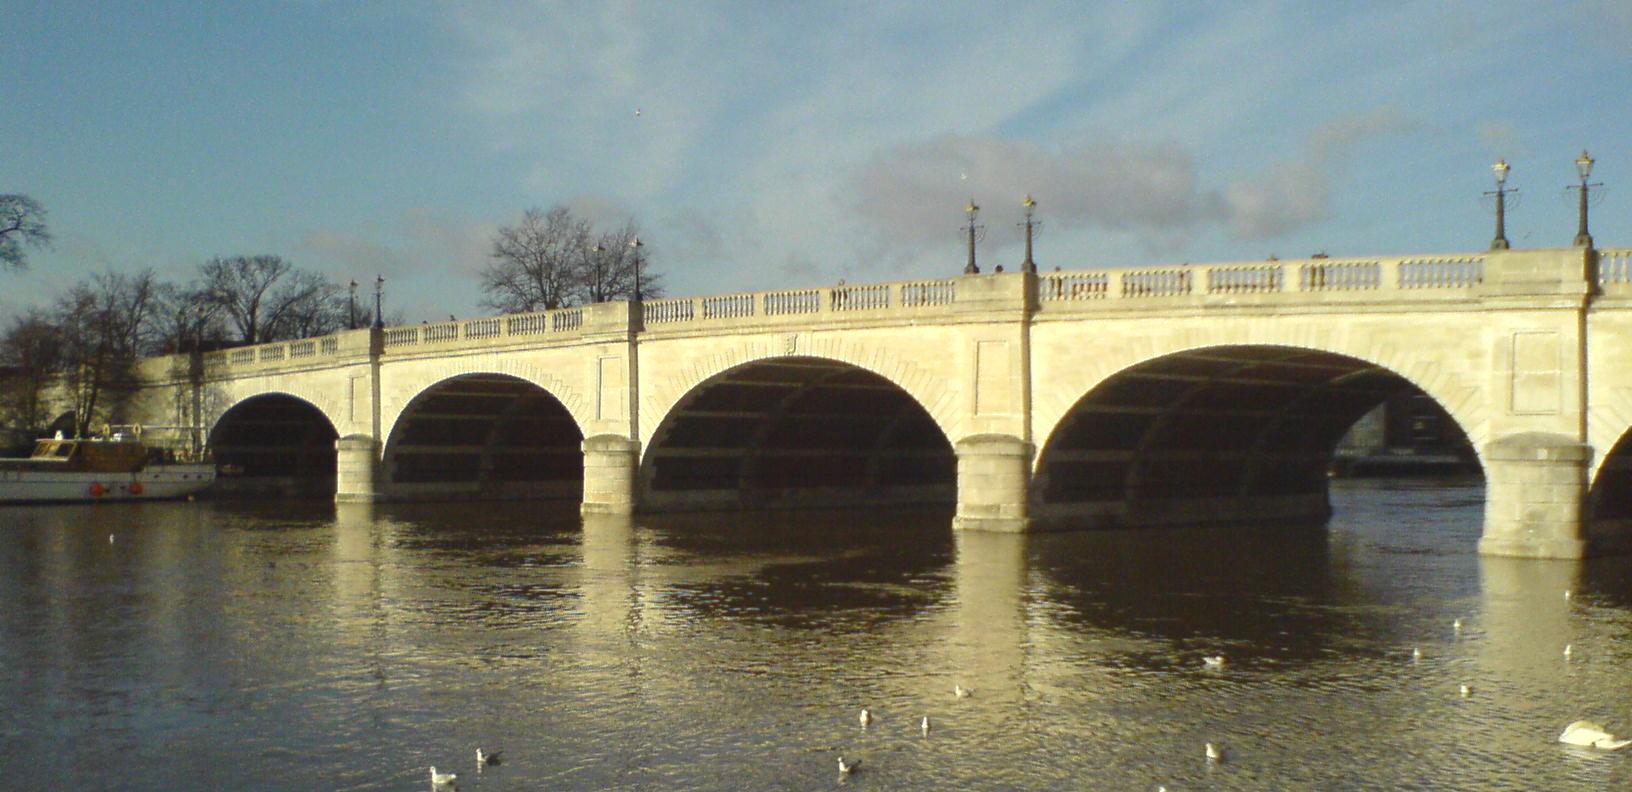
column 792, row 144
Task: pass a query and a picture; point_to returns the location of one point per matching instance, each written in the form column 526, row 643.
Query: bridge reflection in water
column 353, row 644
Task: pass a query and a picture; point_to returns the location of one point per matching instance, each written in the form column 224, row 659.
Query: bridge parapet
column 1319, row 280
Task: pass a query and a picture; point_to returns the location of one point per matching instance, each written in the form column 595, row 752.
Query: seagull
column 1214, row 753
column 487, row 758
column 1466, row 690
column 925, row 725
column 846, row 768
column 1456, row 625
column 442, row 779
column 1214, row 661
column 1567, row 595
column 1568, row 650
column 866, row 716
column 962, row 692
column 637, row 112
column 1590, row 735
column 1416, row 653
column 110, row 538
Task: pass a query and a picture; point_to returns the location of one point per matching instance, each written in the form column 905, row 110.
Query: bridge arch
column 938, row 397
column 484, row 434
column 274, row 442
column 1223, row 431
column 793, row 431
column 1610, row 492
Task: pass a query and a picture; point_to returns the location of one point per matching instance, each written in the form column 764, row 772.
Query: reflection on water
column 312, row 645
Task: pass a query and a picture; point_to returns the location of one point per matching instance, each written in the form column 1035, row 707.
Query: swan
column 487, row 757
column 866, row 716
column 1214, row 753
column 1590, row 735
column 1213, row 661
column 846, row 768
column 962, row 692
column 442, row 779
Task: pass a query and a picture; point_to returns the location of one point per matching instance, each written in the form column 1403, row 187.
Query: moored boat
column 117, row 466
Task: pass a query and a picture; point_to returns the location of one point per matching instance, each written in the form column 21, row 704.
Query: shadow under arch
column 1609, row 499
column 484, row 435
column 1212, row 434
column 796, row 432
column 274, row 444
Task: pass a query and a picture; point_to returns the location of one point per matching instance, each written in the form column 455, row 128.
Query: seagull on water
column 846, row 768
column 962, row 692
column 1213, row 661
column 1590, row 735
column 1456, row 624
column 487, row 758
column 1466, row 691
column 442, row 779
column 1416, row 653
column 1568, row 650
column 866, row 716
column 1214, row 753
column 925, row 725
column 1567, row 595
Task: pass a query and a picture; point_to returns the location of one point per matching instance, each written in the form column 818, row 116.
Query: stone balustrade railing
column 1273, row 277
column 1614, row 266
column 1367, row 279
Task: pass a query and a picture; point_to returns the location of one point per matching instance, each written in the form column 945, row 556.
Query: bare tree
column 554, row 259
column 535, row 262
column 22, row 225
column 186, row 319
column 607, row 268
column 30, row 358
column 107, row 322
column 264, row 298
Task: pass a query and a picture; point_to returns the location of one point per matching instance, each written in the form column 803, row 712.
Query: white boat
column 117, row 466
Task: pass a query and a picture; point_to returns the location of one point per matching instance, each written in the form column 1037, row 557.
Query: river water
column 304, row 645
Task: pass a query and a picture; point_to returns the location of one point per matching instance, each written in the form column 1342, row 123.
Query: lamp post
column 1583, row 167
column 973, row 211
column 1500, row 169
column 351, row 304
column 597, row 272
column 1031, row 206
column 379, row 312
column 636, row 245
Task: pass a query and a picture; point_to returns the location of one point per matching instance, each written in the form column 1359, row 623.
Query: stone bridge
column 1151, row 396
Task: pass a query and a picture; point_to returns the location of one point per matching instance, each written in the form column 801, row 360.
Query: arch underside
column 1215, row 434
column 274, row 444
column 797, row 432
column 485, row 436
column 1610, row 499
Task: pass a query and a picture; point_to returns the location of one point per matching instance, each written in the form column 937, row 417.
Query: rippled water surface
column 315, row 646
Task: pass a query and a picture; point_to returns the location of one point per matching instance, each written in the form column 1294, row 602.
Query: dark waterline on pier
column 306, row 645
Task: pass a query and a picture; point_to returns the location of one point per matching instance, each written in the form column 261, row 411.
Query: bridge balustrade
column 939, row 292
column 860, row 298
column 1075, row 286
column 1614, row 266
column 793, row 302
column 1252, row 279
column 1441, row 273
column 730, row 306
column 1324, row 275
column 664, row 311
column 1156, row 283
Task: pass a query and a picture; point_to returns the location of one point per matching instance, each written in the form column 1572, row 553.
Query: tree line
column 88, row 341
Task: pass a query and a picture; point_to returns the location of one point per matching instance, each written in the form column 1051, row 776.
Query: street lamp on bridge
column 635, row 245
column 1030, row 225
column 1501, row 169
column 1583, row 167
column 379, row 313
column 973, row 211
